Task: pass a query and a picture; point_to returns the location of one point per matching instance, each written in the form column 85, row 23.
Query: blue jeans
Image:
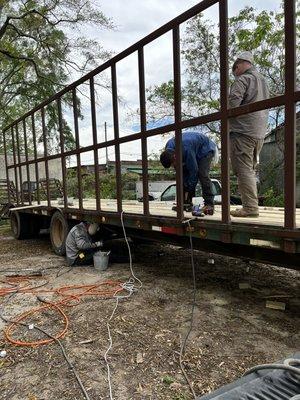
column 206, row 184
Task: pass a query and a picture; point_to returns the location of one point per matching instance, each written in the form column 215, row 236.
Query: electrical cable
column 129, row 252
column 71, row 366
column 130, row 287
column 70, row 296
column 183, row 344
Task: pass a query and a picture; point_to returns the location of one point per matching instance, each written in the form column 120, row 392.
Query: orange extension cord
column 70, row 296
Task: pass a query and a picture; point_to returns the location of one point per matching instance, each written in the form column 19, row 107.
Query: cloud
column 133, row 21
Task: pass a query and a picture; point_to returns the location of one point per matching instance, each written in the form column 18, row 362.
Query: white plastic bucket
column 101, row 259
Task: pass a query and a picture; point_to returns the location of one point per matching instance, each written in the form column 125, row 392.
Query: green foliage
column 5, row 229
column 108, row 187
column 272, row 199
column 42, row 46
column 167, row 379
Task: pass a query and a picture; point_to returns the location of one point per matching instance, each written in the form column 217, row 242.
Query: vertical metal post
column 26, row 159
column 116, row 129
column 290, row 116
column 223, row 13
column 62, row 149
column 95, row 141
column 19, row 161
column 15, row 162
column 79, row 177
column 143, row 129
column 35, row 158
column 6, row 167
column 45, row 154
column 106, row 149
column 177, row 110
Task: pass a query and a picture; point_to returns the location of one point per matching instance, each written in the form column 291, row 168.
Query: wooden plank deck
column 271, row 216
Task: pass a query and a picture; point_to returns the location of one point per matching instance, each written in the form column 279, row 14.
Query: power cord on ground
column 130, row 287
column 72, row 368
column 184, row 342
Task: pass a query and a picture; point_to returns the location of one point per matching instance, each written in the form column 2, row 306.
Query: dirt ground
column 232, row 331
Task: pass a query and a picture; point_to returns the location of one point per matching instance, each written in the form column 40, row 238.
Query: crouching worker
column 80, row 247
column 198, row 152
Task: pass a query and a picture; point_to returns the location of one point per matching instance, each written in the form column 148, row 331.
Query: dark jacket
column 78, row 239
column 195, row 146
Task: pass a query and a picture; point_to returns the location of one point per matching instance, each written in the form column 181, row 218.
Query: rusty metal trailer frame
column 226, row 232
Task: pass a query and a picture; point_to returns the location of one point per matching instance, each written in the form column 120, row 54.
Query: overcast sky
column 135, row 19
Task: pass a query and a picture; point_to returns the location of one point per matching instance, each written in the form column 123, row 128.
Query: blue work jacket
column 195, row 146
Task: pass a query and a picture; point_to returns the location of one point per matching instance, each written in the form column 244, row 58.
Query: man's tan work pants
column 244, row 152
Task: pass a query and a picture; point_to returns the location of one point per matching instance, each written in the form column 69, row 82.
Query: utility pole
column 106, row 150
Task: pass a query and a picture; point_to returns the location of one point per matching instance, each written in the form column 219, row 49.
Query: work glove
column 99, row 243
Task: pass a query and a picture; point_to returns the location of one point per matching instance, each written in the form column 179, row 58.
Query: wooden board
column 268, row 215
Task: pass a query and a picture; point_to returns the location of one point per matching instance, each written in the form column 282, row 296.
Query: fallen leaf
column 139, row 358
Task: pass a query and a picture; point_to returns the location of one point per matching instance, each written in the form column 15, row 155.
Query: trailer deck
column 269, row 216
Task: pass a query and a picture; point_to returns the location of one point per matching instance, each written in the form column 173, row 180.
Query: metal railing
column 288, row 100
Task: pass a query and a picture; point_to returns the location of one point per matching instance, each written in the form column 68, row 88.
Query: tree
column 42, row 47
column 260, row 32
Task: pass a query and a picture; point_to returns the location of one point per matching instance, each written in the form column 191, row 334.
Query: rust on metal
column 290, row 116
column 6, row 164
column 44, row 129
column 19, row 162
column 178, row 130
column 117, row 141
column 143, row 122
column 27, row 165
column 223, row 12
column 95, row 141
column 288, row 99
column 62, row 147
column 35, row 157
column 77, row 151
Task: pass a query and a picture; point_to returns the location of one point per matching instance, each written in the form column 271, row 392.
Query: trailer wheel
column 59, row 229
column 20, row 225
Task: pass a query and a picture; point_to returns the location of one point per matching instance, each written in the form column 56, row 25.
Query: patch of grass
column 5, row 227
column 167, row 379
column 181, row 397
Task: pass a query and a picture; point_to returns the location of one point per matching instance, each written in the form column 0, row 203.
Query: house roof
column 273, row 131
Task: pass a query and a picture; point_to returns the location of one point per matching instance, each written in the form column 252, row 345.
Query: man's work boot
column 186, row 207
column 208, row 210
column 242, row 213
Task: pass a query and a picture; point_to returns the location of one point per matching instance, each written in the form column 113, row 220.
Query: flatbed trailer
column 274, row 237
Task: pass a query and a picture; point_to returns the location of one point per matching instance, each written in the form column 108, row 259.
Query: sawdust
column 232, row 329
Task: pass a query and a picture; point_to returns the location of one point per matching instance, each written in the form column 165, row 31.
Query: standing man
column 247, row 131
column 197, row 154
column 80, row 247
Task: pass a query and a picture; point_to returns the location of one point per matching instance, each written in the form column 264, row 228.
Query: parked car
column 155, row 189
column 169, row 194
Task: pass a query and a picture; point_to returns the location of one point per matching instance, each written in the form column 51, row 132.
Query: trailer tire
column 20, row 225
column 59, row 229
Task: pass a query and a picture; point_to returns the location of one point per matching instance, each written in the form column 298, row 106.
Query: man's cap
column 245, row 56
